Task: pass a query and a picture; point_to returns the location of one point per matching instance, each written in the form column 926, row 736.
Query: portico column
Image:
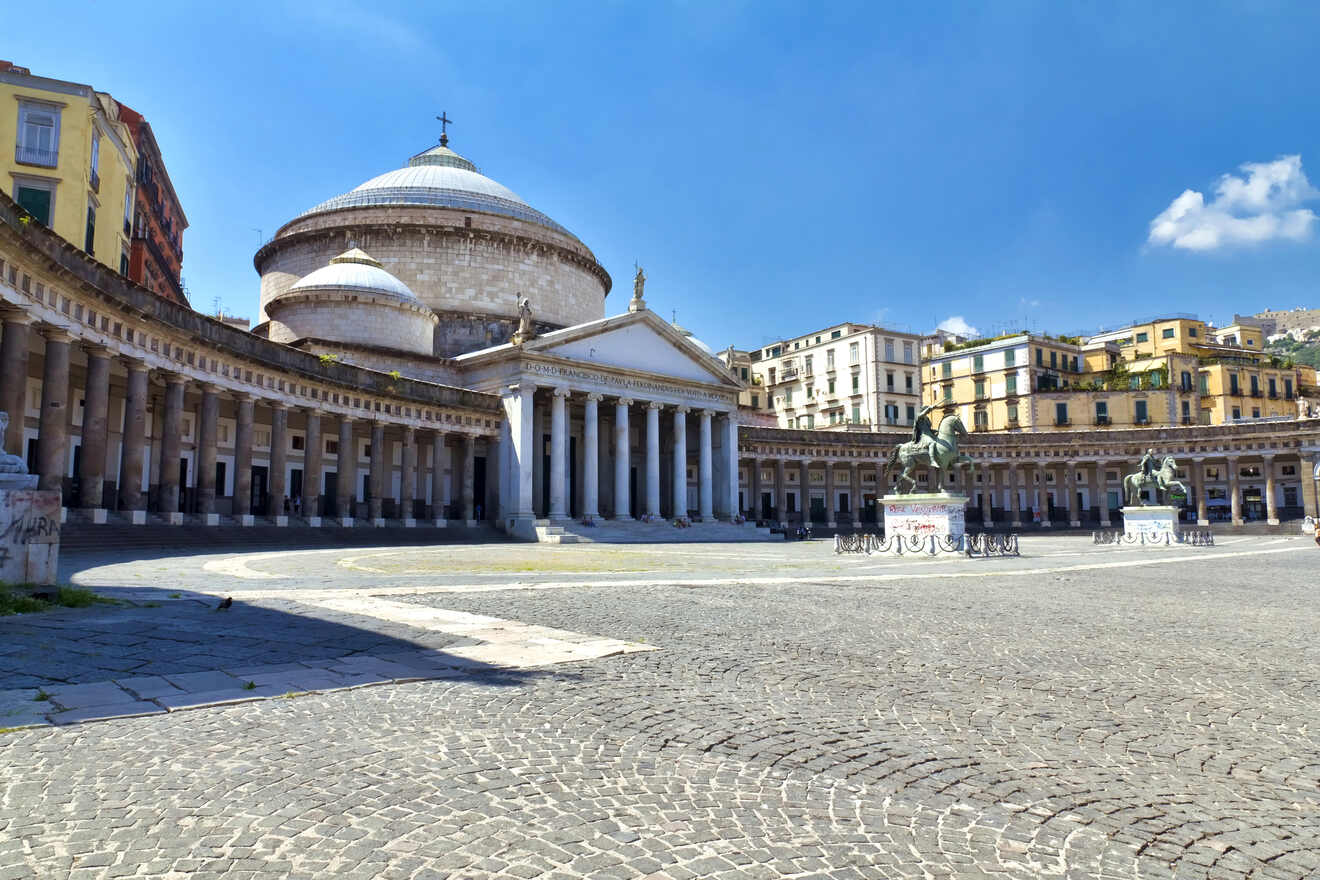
column 653, row 459
column 754, row 486
column 313, row 450
column 246, row 407
column 468, row 496
column 831, row 518
column 705, row 469
column 518, row 408
column 13, row 378
column 680, row 462
column 207, row 431
column 987, row 499
column 171, row 443
column 279, row 458
column 1198, row 480
column 346, row 470
column 591, row 457
column 1015, row 500
column 730, row 441
column 1074, row 510
column 1310, row 497
column 781, row 493
column 622, row 464
column 1046, row 512
column 1102, row 487
column 408, row 479
column 438, row 512
column 376, row 474
column 558, row 443
column 134, row 437
column 1271, row 508
column 53, row 439
column 91, row 464
column 1234, row 491
column 855, row 492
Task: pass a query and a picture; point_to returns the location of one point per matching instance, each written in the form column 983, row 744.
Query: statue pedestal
column 919, row 518
column 1151, row 524
column 29, row 531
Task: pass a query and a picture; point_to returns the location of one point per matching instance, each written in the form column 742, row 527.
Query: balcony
column 1274, row 395
column 1012, row 422
column 1062, row 423
column 1141, row 420
column 34, row 156
column 1255, row 392
column 1102, row 420
column 1187, row 420
column 788, row 373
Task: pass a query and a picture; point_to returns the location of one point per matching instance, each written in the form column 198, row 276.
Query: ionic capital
column 561, row 391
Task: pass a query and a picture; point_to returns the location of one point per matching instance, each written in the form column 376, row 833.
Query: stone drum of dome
column 466, row 245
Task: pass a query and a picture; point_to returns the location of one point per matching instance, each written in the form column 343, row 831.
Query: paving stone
column 148, row 687
column 135, row 709
column 79, row 696
column 196, row 682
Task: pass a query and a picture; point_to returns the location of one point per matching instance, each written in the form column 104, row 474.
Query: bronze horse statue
column 939, row 452
column 1161, row 481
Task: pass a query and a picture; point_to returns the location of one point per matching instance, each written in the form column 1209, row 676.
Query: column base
column 1272, row 522
column 211, row 519
column 95, row 515
column 1104, row 523
column 440, row 523
column 410, row 523
column 281, row 521
column 1203, row 522
column 378, row 522
column 1239, row 522
column 137, row 517
column 624, row 518
column 1075, row 523
column 985, row 524
column 1017, row 524
column 470, row 523
column 831, row 525
column 1046, row 524
column 558, row 517
column 521, row 527
column 346, row 522
column 174, row 519
column 314, row 522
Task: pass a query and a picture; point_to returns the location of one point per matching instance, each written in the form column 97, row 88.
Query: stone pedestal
column 174, row 519
column 938, row 519
column 281, row 520
column 314, row 522
column 247, row 519
column 29, row 531
column 211, row 519
column 1155, row 523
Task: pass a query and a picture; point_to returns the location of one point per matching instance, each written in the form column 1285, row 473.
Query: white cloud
column 958, row 324
column 1260, row 206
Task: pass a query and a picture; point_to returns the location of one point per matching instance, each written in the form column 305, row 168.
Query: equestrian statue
column 937, row 450
column 1157, row 475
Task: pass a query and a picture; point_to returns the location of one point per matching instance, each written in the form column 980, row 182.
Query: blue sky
column 774, row 167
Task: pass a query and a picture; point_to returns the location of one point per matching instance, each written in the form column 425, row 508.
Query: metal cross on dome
column 444, row 121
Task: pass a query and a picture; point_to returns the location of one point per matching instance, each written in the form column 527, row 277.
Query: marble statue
column 937, row 451
column 9, row 464
column 639, row 283
column 1158, row 475
column 525, row 329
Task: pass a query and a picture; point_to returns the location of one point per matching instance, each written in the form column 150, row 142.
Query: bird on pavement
column 225, row 603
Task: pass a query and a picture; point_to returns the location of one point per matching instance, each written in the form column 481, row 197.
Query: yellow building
column 73, row 164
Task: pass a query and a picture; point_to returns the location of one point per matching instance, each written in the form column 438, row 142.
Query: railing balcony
column 1061, row 423
column 95, row 182
column 1255, row 393
column 35, row 156
column 1274, row 395
column 1012, row 423
column 980, row 428
column 1186, row 420
column 1102, row 420
column 786, row 374
column 1141, row 421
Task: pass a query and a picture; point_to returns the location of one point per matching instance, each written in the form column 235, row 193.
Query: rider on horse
column 922, row 434
column 1149, row 465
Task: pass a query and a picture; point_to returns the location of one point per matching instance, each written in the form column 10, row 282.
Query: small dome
column 358, row 271
column 694, row 340
column 439, row 177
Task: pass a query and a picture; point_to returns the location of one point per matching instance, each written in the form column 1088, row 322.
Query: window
column 1274, row 389
column 1237, row 413
column 96, row 160
column 829, row 359
column 89, row 242
column 37, row 197
column 806, row 365
column 1101, row 412
column 1008, row 357
column 836, row 334
column 980, row 389
column 948, row 393
column 1040, row 357
column 811, row 391
column 947, row 371
column 911, row 413
column 1186, row 384
column 1204, row 382
column 772, row 375
column 978, row 363
column 1140, row 414
column 1012, row 414
column 889, row 349
column 1233, row 385
column 1255, row 386
column 788, row 396
column 889, row 380
column 1255, row 412
column 856, row 414
column 1287, row 388
column 756, row 401
column 891, row 413
column 856, row 383
column 831, row 381
column 981, row 420
column 1143, row 337
column 1054, row 359
column 123, row 262
column 744, row 374
column 907, row 352
column 1168, row 333
column 1154, row 379
column 1186, row 413
column 1060, row 413
column 297, row 441
column 907, row 383
column 1191, row 331
column 854, row 352
column 1010, row 384
column 38, row 134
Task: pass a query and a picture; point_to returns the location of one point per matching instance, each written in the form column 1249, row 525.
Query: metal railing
column 35, row 156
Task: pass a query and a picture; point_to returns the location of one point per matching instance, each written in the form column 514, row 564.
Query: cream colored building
column 844, row 377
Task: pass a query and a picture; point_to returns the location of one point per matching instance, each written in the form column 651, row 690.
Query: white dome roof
column 355, row 270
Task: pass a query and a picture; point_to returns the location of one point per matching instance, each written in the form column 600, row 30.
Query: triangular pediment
column 640, row 341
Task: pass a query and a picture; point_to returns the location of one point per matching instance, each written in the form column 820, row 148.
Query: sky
column 775, row 167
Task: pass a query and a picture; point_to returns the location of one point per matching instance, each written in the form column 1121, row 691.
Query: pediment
column 636, row 342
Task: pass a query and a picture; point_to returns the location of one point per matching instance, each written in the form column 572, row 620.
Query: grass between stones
column 29, row 598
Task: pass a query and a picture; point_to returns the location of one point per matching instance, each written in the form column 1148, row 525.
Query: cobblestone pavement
column 1075, row 713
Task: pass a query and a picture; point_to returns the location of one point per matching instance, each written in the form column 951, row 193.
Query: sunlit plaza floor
column 730, row 711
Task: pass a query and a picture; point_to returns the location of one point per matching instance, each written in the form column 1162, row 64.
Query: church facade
column 433, row 350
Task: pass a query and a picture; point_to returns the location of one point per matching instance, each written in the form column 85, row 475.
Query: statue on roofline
column 525, row 329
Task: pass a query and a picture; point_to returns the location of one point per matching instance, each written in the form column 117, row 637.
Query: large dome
column 438, row 177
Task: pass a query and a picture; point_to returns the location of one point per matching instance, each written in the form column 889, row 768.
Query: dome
column 690, row 338
column 438, row 177
column 356, row 271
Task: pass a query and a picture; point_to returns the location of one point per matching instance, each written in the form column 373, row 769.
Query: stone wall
column 363, row 321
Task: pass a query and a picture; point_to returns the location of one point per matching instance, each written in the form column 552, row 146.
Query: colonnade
column 155, row 460
column 716, row 481
column 1048, row 494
